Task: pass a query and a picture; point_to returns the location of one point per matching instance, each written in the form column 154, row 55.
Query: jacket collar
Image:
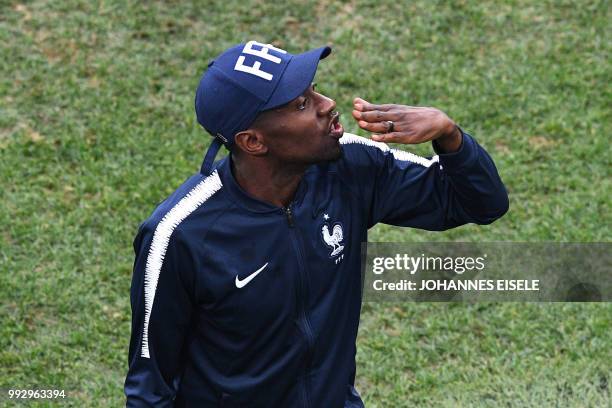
column 244, row 199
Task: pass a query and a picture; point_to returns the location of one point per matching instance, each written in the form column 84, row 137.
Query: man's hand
column 411, row 124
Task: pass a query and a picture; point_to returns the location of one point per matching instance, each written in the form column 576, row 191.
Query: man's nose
column 326, row 105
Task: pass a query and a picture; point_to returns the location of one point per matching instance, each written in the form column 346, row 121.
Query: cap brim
column 297, row 77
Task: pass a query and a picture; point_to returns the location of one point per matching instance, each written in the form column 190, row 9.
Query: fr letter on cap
column 261, row 53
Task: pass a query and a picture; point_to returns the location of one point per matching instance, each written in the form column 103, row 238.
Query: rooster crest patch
column 333, row 236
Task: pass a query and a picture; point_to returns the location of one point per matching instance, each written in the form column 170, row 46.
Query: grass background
column 97, row 126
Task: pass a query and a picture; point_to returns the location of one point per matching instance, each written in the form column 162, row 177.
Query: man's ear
column 251, row 142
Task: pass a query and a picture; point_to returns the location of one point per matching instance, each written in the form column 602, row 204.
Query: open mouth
column 335, row 128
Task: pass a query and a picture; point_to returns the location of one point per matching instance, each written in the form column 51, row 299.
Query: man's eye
column 302, row 104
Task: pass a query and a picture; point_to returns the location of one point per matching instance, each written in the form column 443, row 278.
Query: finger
column 374, row 116
column 363, row 105
column 378, row 127
column 393, row 137
column 359, row 103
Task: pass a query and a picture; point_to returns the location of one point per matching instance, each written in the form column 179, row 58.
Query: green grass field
column 97, row 126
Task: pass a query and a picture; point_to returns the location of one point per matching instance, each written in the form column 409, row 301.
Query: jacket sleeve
column 161, row 313
column 434, row 194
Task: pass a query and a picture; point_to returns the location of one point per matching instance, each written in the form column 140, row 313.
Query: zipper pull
column 289, row 215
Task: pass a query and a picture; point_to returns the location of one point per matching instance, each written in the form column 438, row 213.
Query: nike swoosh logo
column 243, row 283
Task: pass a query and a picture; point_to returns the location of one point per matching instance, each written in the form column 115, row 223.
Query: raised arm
column 458, row 186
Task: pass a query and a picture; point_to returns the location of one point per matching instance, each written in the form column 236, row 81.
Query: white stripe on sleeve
column 349, row 138
column 161, row 237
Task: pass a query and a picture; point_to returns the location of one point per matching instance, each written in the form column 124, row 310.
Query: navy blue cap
column 248, row 79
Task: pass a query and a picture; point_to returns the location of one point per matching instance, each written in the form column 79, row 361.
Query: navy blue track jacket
column 238, row 303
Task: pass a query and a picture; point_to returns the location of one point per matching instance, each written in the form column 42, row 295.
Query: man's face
column 304, row 131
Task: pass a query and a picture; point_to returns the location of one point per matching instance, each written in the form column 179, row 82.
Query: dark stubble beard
column 329, row 155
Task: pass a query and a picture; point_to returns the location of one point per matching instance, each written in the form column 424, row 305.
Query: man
column 247, row 288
